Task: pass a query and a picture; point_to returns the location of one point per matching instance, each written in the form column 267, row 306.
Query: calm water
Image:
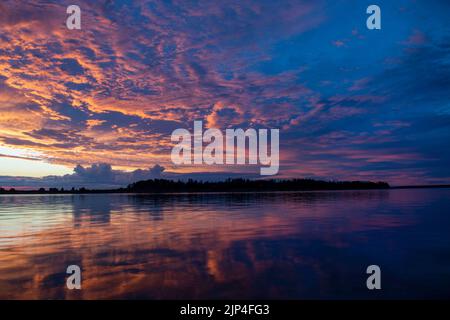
column 285, row 245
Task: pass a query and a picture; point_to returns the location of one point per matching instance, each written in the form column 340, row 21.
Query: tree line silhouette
column 229, row 185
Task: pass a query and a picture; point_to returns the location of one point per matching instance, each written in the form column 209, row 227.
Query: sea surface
column 303, row 245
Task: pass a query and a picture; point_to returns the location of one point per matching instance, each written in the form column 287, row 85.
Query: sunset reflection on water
column 267, row 245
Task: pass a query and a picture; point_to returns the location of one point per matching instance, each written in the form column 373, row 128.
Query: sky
column 97, row 106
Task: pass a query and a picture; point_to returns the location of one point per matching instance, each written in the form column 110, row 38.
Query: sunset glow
column 351, row 103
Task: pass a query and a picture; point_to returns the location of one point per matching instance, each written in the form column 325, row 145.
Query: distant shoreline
column 162, row 186
column 116, row 191
column 229, row 185
column 425, row 186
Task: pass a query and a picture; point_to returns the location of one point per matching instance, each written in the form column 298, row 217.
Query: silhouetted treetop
column 244, row 185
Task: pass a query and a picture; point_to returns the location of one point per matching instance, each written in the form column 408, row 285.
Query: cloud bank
column 103, row 176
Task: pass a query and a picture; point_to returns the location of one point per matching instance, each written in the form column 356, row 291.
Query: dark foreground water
column 279, row 246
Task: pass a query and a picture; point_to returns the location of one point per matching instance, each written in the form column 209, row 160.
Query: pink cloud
column 338, row 43
column 417, row 38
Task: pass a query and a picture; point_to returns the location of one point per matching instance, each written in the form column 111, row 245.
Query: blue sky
column 350, row 103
